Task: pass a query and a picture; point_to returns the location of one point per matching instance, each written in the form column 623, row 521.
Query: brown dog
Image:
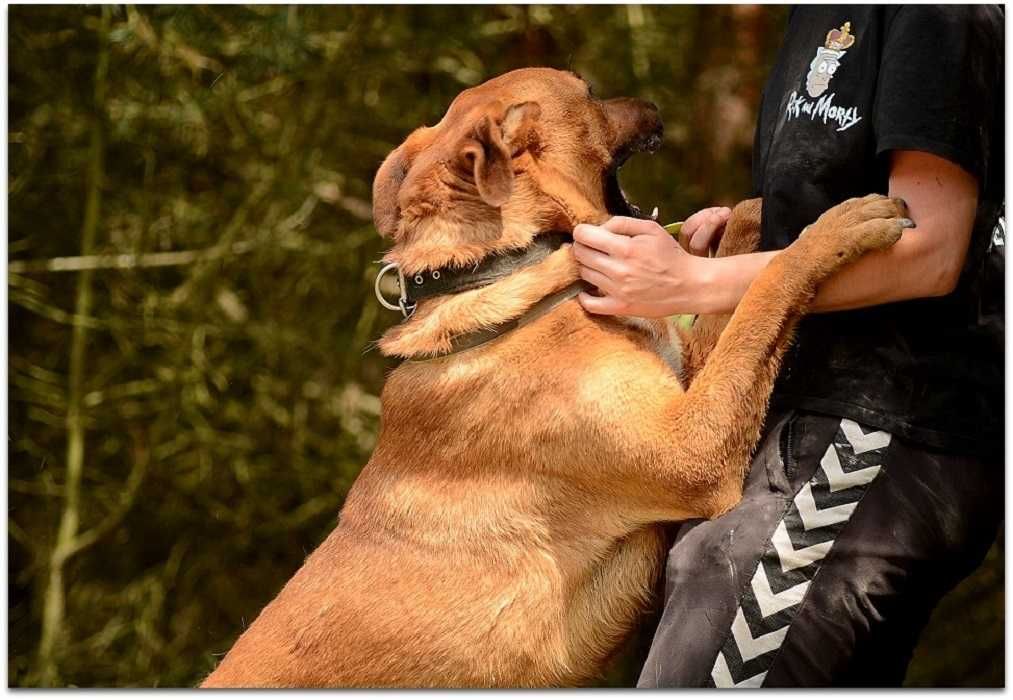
column 506, row 530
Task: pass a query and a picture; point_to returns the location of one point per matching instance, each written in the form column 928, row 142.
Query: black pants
column 827, row 571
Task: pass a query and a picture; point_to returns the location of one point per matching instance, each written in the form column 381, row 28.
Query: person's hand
column 638, row 268
column 702, row 231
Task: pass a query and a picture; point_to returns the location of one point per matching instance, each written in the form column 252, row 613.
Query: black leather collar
column 481, row 336
column 450, row 280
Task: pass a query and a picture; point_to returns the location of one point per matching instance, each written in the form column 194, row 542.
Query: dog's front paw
column 859, row 225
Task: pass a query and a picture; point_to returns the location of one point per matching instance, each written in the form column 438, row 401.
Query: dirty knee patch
column 801, row 540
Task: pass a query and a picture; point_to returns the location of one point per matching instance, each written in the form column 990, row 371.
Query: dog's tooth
column 654, row 214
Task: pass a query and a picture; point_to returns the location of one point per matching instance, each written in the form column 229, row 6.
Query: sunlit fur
column 505, row 531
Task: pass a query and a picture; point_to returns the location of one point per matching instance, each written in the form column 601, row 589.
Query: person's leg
column 828, row 569
column 925, row 524
column 707, row 568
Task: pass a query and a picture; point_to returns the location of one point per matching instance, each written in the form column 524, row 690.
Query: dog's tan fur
column 505, row 531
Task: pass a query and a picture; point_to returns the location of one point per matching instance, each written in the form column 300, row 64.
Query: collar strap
column 450, row 280
column 473, row 339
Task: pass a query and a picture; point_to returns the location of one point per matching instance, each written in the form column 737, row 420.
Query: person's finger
column 722, row 214
column 710, row 231
column 707, row 236
column 603, row 306
column 694, row 221
column 598, row 238
column 602, row 282
column 690, row 226
column 628, row 226
column 686, row 235
column 595, row 259
column 700, row 241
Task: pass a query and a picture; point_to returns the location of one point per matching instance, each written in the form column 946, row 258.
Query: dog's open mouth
column 616, row 202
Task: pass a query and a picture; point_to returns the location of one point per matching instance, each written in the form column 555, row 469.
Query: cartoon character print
column 828, row 60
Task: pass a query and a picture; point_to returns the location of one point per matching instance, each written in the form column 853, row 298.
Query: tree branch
column 129, row 261
column 127, row 500
column 53, row 612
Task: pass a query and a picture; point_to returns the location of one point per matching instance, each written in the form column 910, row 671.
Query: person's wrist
column 701, row 286
column 723, row 281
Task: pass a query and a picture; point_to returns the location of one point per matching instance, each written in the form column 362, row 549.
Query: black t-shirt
column 850, row 84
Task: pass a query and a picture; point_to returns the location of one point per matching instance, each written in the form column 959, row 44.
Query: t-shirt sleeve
column 940, row 72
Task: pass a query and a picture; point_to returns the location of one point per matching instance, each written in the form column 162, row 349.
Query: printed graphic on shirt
column 828, row 60
column 817, row 81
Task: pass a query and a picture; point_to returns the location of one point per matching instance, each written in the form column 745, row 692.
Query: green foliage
column 226, row 393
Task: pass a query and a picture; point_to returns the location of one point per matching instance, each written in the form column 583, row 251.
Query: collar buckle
column 406, row 307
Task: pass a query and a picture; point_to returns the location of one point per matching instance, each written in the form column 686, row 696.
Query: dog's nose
column 653, row 117
column 633, row 118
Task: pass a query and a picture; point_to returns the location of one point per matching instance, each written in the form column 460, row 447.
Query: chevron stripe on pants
column 827, row 571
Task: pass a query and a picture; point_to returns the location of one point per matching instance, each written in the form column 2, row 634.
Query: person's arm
column 641, row 271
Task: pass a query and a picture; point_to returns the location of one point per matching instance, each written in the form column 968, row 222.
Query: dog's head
column 527, row 152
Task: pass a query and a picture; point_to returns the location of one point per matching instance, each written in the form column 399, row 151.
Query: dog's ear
column 518, row 125
column 493, row 144
column 386, row 185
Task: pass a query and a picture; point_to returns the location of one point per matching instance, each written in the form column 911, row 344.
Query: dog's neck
column 541, row 203
column 492, row 268
column 439, row 242
column 464, row 234
column 431, row 330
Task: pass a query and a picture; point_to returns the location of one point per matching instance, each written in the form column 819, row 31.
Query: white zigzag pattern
column 860, row 442
column 771, row 602
column 813, row 517
column 840, row 479
column 792, row 558
column 723, row 677
column 749, row 646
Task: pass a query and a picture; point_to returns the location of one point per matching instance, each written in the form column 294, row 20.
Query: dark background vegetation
column 185, row 419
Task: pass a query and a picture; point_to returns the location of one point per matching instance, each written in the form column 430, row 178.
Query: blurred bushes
column 185, row 420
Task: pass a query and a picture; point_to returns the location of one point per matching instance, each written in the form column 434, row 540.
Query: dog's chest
column 664, row 339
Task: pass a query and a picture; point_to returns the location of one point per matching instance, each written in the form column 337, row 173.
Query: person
column 877, row 484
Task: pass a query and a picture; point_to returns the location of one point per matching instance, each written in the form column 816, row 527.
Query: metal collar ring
column 402, row 303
